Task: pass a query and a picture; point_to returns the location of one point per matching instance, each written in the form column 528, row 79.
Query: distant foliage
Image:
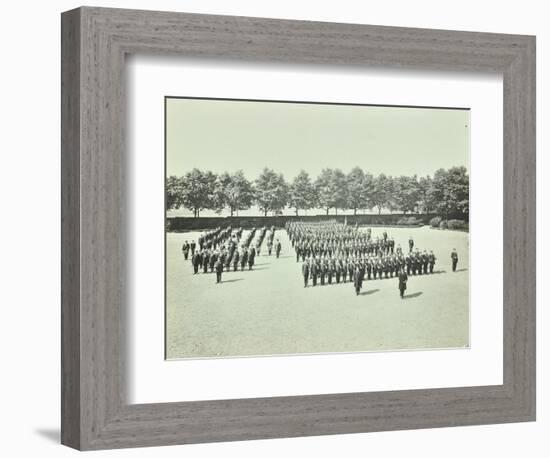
column 456, row 224
column 443, row 224
column 436, row 221
column 445, row 194
column 409, row 221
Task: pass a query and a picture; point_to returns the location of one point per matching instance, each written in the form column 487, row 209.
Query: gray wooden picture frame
column 95, row 412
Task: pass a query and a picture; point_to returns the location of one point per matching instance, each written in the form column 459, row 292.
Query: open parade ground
column 267, row 311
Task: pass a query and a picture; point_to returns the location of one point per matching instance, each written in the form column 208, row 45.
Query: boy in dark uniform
column 218, row 267
column 196, row 260
column 305, row 273
column 185, row 250
column 278, row 248
column 323, row 272
column 425, row 261
column 454, row 259
column 411, row 244
column 402, row 282
column 193, row 246
column 235, row 260
column 251, row 257
column 431, row 260
column 314, row 271
column 358, row 280
column 205, row 260
column 244, row 258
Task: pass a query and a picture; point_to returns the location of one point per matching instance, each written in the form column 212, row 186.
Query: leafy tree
column 174, row 192
column 450, row 191
column 379, row 196
column 339, row 190
column 425, row 200
column 234, row 192
column 325, row 190
column 357, row 189
column 302, row 192
column 271, row 191
column 405, row 193
column 199, row 191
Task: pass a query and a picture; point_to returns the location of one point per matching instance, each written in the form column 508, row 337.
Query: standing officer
column 431, row 260
column 193, row 246
column 425, row 261
column 298, row 251
column 454, row 259
column 278, row 248
column 323, row 271
column 244, row 258
column 185, row 250
column 402, row 282
column 218, row 267
column 305, row 272
column 205, row 260
column 251, row 257
column 314, row 271
column 358, row 279
column 235, row 260
column 369, row 268
column 196, row 261
column 411, row 244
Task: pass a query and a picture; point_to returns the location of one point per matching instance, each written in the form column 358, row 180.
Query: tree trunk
column 328, row 210
column 335, row 210
column 379, row 210
column 231, row 208
column 265, row 212
column 354, row 211
column 296, row 212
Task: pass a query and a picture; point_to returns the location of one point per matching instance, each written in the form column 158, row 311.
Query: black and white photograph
column 299, row 228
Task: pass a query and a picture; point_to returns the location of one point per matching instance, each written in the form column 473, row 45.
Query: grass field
column 268, row 311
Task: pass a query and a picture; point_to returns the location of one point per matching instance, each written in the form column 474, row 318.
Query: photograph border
column 304, row 102
column 94, row 253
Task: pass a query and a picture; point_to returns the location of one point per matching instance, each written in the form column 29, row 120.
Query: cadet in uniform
column 244, row 258
column 251, row 257
column 205, row 260
column 305, row 272
column 313, row 272
column 235, row 260
column 402, row 282
column 358, row 280
column 196, row 261
column 454, row 259
column 411, row 244
column 431, row 260
column 193, row 246
column 185, row 250
column 218, row 267
column 425, row 261
column 278, row 248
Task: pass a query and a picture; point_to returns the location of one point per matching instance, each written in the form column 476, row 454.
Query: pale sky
column 220, row 136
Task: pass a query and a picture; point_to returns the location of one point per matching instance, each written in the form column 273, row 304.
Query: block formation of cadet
column 332, row 252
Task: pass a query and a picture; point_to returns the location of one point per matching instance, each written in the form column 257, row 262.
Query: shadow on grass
column 461, row 270
column 370, row 291
column 232, row 280
column 413, row 295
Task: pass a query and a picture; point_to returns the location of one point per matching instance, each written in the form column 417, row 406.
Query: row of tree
column 446, row 193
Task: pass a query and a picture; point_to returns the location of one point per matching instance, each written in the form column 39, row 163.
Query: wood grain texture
column 96, row 414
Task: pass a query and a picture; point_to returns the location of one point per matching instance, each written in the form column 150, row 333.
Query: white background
column 155, row 380
column 30, row 265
